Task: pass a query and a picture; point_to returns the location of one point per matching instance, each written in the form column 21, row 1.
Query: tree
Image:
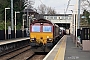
column 18, row 5
column 3, row 4
column 43, row 9
column 85, row 4
column 28, row 3
column 86, row 14
column 50, row 10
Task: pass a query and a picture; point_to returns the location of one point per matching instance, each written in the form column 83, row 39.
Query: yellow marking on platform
column 61, row 52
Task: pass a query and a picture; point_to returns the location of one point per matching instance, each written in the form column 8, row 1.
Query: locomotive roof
column 41, row 21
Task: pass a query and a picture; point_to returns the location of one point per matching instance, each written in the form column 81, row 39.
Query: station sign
column 9, row 29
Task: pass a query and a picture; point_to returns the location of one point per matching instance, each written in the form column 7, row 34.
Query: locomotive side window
column 47, row 28
column 35, row 28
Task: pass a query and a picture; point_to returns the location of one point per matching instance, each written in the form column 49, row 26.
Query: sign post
column 9, row 32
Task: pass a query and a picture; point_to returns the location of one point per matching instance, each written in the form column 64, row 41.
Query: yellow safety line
column 61, row 50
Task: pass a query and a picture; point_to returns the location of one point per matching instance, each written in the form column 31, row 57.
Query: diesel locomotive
column 43, row 33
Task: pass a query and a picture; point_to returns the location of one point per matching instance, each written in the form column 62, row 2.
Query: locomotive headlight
column 47, row 36
column 41, row 23
column 49, row 39
column 32, row 39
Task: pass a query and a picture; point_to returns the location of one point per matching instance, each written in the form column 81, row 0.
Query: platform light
column 15, row 22
column 5, row 21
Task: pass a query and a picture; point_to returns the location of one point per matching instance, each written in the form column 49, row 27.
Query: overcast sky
column 58, row 5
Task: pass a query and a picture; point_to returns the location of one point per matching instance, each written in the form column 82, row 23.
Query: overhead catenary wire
column 65, row 11
column 67, row 6
column 41, row 2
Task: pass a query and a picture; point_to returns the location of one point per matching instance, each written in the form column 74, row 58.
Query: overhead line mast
column 12, row 14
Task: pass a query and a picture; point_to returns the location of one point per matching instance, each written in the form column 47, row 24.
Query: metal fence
column 19, row 34
column 84, row 34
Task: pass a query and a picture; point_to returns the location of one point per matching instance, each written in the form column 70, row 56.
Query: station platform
column 2, row 42
column 65, row 49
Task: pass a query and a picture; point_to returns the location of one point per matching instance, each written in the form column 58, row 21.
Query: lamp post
column 27, row 17
column 15, row 22
column 5, row 21
column 73, row 22
column 29, row 22
column 30, row 18
column 23, row 24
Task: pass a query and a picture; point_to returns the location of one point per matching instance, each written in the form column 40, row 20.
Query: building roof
column 29, row 10
column 42, row 21
column 57, row 14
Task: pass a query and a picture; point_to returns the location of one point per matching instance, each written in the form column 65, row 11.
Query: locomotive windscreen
column 35, row 28
column 47, row 28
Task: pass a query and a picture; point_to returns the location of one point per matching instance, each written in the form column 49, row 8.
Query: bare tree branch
column 50, row 10
column 43, row 9
column 86, row 5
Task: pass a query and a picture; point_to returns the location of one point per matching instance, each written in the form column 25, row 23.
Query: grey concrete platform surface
column 13, row 40
column 75, row 53
column 52, row 54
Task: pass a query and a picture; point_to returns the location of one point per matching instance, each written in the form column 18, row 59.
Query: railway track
column 13, row 53
column 12, row 50
column 24, row 53
column 37, row 56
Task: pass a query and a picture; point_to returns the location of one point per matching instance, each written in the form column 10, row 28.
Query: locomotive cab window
column 35, row 28
column 47, row 28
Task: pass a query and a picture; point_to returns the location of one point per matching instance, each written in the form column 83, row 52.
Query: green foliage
column 18, row 5
column 3, row 5
column 8, row 23
column 2, row 25
column 86, row 14
column 18, row 26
